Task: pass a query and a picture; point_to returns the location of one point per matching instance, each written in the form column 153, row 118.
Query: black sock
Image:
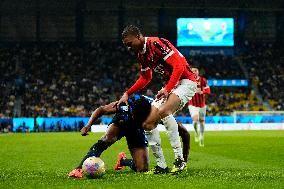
column 96, row 150
column 128, row 162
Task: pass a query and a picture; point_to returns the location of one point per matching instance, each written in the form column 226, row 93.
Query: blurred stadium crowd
column 63, row 79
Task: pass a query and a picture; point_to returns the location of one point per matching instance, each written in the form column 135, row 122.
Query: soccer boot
column 157, row 170
column 118, row 166
column 77, row 173
column 179, row 165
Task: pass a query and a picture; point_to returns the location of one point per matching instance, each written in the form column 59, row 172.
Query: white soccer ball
column 93, row 167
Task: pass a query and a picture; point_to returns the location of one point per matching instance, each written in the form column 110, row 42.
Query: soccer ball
column 93, row 167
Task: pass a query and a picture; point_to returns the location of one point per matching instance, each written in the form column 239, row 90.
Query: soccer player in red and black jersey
column 159, row 55
column 197, row 106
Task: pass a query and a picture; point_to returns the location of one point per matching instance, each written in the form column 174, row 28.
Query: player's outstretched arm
column 99, row 112
column 178, row 68
column 144, row 79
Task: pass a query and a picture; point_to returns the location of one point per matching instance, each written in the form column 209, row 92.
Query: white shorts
column 201, row 112
column 185, row 90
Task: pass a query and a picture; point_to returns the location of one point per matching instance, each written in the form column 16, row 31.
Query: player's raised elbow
column 147, row 75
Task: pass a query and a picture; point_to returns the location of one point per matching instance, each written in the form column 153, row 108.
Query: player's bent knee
column 109, row 139
column 148, row 126
column 195, row 118
column 164, row 112
column 141, row 168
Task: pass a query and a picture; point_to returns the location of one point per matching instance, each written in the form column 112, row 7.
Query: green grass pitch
column 239, row 159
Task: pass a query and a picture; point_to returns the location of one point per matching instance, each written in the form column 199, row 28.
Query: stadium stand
column 63, row 79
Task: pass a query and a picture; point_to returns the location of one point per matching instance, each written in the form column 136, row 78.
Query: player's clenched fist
column 84, row 130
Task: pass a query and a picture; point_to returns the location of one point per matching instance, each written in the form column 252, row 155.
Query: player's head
column 132, row 38
column 195, row 70
column 141, row 109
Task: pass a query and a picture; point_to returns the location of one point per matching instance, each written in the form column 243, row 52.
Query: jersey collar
column 144, row 47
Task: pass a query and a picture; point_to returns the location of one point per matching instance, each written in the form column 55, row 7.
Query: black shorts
column 134, row 134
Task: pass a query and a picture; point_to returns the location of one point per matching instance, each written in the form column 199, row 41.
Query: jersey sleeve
column 144, row 78
column 162, row 48
column 206, row 88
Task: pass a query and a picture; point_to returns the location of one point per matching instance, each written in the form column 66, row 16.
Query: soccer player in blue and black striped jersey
column 127, row 122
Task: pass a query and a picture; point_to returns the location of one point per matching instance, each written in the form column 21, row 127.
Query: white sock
column 201, row 130
column 195, row 127
column 172, row 127
column 154, row 141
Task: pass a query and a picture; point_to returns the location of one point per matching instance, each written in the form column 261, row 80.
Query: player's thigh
column 141, row 158
column 137, row 144
column 194, row 112
column 179, row 96
column 112, row 134
column 152, row 120
column 170, row 106
column 185, row 90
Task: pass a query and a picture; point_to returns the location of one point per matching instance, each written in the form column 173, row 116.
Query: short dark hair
column 194, row 66
column 141, row 109
column 130, row 30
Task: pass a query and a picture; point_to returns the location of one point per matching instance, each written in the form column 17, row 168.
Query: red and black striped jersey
column 199, row 100
column 161, row 56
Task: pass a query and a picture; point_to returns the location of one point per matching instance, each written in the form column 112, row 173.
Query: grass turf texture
column 239, row 159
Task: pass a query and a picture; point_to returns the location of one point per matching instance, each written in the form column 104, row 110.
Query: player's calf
column 196, row 133
column 141, row 168
column 201, row 136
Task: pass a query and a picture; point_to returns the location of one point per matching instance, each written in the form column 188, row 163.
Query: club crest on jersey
column 162, row 49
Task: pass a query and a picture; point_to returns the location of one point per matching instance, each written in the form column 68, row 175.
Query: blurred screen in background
column 205, row 32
